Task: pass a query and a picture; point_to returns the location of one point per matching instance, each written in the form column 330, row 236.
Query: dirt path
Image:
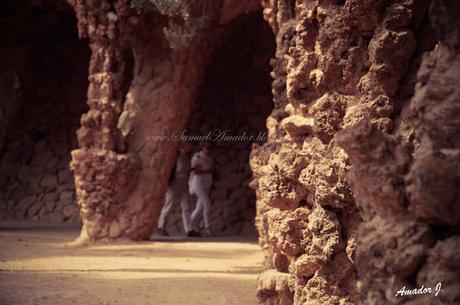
column 38, row 267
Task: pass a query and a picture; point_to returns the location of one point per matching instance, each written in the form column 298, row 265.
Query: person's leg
column 185, row 207
column 202, row 194
column 186, row 217
column 169, row 202
column 196, row 212
column 206, row 208
column 202, row 190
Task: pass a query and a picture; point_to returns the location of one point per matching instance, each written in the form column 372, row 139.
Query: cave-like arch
column 42, row 91
column 232, row 105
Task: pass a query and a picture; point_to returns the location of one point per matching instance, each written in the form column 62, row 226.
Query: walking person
column 178, row 192
column 200, row 185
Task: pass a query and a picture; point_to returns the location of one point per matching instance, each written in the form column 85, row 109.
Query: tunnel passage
column 43, row 91
column 234, row 102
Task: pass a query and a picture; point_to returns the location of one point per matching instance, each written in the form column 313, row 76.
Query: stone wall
column 44, row 62
column 408, row 185
column 234, row 100
column 362, row 131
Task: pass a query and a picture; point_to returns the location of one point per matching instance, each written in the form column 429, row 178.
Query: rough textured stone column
column 120, row 175
column 407, row 179
column 104, row 173
column 344, row 76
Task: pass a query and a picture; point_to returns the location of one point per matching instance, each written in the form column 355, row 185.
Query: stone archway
column 43, row 80
column 120, row 173
column 232, row 105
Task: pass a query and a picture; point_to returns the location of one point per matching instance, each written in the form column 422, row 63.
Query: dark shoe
column 163, row 232
column 193, row 233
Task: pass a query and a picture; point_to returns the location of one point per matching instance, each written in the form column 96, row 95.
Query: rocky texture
column 42, row 97
column 100, row 193
column 306, row 215
column 359, row 172
column 418, row 181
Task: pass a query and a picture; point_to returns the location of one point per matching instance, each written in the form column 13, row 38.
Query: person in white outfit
column 200, row 184
column 178, row 191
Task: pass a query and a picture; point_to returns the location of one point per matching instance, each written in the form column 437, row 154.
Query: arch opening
column 43, row 86
column 232, row 105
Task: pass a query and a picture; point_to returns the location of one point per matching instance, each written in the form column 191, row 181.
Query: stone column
column 407, row 180
column 120, row 172
column 104, row 172
column 342, row 73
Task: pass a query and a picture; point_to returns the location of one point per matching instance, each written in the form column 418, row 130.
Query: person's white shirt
column 204, row 162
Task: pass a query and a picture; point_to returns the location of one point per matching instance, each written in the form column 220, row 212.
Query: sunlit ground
column 38, row 266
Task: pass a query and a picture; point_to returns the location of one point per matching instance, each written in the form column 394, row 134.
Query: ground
column 38, row 265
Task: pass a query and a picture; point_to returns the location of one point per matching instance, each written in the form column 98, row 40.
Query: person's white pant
column 174, row 194
column 200, row 187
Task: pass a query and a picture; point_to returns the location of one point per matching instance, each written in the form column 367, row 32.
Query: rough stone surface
column 363, row 135
column 417, row 180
